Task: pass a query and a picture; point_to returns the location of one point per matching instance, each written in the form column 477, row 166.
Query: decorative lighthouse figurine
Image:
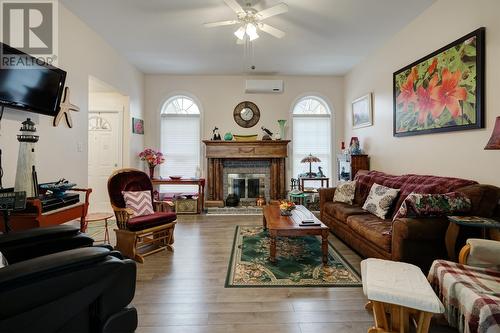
column 26, row 159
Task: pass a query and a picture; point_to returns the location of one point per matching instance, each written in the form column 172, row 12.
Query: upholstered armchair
column 140, row 236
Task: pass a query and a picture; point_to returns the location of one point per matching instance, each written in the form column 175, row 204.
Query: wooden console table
column 34, row 217
column 199, row 182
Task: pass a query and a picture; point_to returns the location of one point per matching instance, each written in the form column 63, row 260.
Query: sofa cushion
column 426, row 205
column 341, row 211
column 373, row 229
column 148, row 221
column 380, row 200
column 407, row 184
column 345, row 192
column 484, row 199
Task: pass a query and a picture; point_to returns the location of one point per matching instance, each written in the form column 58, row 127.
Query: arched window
column 311, row 135
column 180, row 138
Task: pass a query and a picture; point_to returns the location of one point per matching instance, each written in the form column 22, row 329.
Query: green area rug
column 298, row 262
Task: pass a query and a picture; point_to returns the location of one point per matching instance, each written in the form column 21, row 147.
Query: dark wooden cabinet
column 349, row 165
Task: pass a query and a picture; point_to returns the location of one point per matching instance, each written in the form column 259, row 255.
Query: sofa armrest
column 325, row 195
column 37, row 234
column 29, row 270
column 419, row 240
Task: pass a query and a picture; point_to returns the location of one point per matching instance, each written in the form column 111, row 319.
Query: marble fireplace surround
column 244, row 154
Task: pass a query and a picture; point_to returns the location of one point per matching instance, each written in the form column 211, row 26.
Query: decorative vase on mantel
column 282, row 123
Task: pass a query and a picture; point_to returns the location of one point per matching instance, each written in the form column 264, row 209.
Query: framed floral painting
column 443, row 91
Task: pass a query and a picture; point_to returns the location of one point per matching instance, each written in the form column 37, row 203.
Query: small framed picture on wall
column 362, row 114
column 137, row 126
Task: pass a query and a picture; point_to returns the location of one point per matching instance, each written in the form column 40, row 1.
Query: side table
column 95, row 217
column 321, row 179
column 469, row 221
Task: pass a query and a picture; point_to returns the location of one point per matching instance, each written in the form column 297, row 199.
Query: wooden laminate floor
column 183, row 292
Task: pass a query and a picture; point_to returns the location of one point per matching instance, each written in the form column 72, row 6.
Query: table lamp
column 310, row 159
column 494, row 142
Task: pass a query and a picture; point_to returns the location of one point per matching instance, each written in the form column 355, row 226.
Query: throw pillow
column 345, row 192
column 380, row 200
column 139, row 201
column 426, row 205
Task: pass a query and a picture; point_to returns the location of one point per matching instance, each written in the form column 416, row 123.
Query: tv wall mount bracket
column 64, row 110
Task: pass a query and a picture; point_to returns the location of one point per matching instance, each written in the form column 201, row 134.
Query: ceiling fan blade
column 271, row 30
column 219, row 24
column 234, row 6
column 272, row 11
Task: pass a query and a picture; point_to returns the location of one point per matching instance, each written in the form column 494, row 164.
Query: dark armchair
column 140, row 236
column 57, row 282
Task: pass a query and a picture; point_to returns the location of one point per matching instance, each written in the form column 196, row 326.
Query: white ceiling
column 324, row 37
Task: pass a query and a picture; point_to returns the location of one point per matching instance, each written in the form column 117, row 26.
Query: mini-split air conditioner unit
column 264, row 86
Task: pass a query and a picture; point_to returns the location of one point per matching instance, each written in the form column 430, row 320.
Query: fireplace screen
column 246, row 186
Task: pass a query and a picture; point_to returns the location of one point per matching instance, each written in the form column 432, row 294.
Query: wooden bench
column 401, row 290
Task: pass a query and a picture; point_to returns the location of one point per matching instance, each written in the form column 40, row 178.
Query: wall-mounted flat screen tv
column 29, row 84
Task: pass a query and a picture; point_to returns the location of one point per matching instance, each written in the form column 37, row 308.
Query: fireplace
column 248, row 179
column 249, row 169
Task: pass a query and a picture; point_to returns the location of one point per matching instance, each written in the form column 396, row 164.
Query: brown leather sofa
column 415, row 240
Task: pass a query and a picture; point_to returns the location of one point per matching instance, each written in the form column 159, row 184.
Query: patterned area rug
column 298, row 263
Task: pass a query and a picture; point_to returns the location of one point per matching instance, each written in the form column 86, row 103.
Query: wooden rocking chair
column 138, row 237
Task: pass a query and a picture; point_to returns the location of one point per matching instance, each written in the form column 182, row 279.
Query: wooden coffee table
column 278, row 225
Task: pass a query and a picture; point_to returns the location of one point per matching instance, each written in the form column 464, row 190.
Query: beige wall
column 218, row 95
column 62, row 152
column 457, row 154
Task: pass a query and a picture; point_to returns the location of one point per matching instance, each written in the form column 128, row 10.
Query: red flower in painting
column 448, row 94
column 407, row 94
column 425, row 103
column 433, row 66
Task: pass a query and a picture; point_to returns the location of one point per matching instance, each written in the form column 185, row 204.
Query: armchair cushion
column 140, row 202
column 148, row 221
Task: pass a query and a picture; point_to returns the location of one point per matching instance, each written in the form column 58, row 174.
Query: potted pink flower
column 152, row 158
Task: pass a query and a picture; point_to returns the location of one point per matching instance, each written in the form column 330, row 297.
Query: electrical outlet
column 79, row 147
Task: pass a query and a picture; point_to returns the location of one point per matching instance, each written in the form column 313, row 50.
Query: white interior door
column 105, row 155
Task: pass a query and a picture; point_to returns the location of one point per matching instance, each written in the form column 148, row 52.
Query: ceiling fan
column 250, row 21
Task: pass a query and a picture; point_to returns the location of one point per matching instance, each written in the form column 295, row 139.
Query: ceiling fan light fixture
column 240, row 33
column 251, row 31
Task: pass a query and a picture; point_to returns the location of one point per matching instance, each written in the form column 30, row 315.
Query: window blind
column 311, row 135
column 180, row 142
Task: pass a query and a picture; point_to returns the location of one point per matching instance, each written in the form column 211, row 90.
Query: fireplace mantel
column 274, row 151
column 246, row 149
